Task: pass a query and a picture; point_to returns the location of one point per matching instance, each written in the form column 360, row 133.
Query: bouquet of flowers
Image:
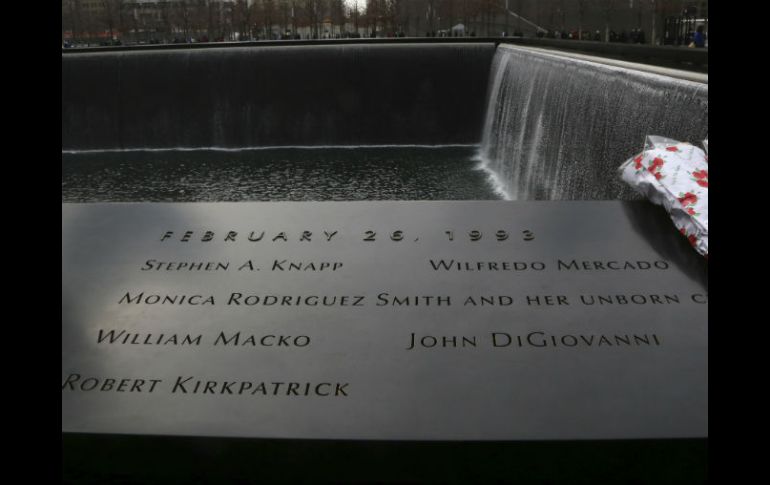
column 675, row 175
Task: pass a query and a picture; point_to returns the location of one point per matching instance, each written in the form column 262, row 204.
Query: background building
column 156, row 21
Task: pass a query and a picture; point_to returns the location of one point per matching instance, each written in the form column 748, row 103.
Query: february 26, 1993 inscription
column 382, row 320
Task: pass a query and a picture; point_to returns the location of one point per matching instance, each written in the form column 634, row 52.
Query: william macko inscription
column 477, row 320
column 223, row 339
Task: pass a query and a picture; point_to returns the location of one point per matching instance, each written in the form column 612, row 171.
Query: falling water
column 557, row 128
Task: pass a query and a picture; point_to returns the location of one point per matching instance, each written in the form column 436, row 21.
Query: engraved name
column 561, row 265
column 535, row 339
column 223, row 339
column 190, row 385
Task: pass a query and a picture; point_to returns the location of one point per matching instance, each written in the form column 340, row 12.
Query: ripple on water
column 392, row 173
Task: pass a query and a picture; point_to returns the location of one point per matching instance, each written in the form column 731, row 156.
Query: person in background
column 699, row 39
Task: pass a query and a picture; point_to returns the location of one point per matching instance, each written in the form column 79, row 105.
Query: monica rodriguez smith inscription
column 382, row 320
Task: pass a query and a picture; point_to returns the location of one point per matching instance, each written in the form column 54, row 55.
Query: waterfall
column 558, row 127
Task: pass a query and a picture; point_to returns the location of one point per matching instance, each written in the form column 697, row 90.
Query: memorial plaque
column 382, row 320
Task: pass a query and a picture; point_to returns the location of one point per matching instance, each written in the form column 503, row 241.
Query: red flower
column 688, row 199
column 701, row 174
column 655, row 166
column 672, row 149
column 656, row 162
column 691, row 211
column 638, row 163
column 701, row 177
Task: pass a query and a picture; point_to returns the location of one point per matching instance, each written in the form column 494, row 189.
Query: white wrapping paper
column 675, row 175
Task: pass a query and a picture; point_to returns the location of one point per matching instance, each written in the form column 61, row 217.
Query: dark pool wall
column 275, row 96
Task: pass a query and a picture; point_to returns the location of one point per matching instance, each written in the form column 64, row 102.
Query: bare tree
column 242, row 19
column 397, row 15
column 285, row 8
column 337, row 8
column 166, row 24
column 447, row 9
column 226, row 23
column 313, row 14
column 70, row 18
column 110, row 16
column 84, row 24
column 182, row 14
column 131, row 20
column 355, row 14
column 268, row 18
column 469, row 12
column 294, row 10
column 198, row 18
column 374, row 14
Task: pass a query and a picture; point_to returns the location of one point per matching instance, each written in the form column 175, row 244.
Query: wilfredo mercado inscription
column 477, row 320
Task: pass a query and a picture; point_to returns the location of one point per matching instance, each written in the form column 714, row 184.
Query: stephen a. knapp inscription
column 382, row 320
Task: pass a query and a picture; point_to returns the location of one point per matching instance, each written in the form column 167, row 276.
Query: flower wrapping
column 675, row 175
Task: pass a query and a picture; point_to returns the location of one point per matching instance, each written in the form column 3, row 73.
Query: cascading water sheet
column 557, row 127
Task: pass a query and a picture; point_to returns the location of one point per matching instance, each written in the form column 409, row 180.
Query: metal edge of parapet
column 220, row 47
column 648, row 68
column 283, row 43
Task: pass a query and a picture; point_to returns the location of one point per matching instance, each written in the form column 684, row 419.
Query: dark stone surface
column 268, row 96
column 396, row 389
column 164, row 460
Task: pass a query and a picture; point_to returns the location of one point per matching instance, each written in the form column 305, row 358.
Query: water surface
column 280, row 174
